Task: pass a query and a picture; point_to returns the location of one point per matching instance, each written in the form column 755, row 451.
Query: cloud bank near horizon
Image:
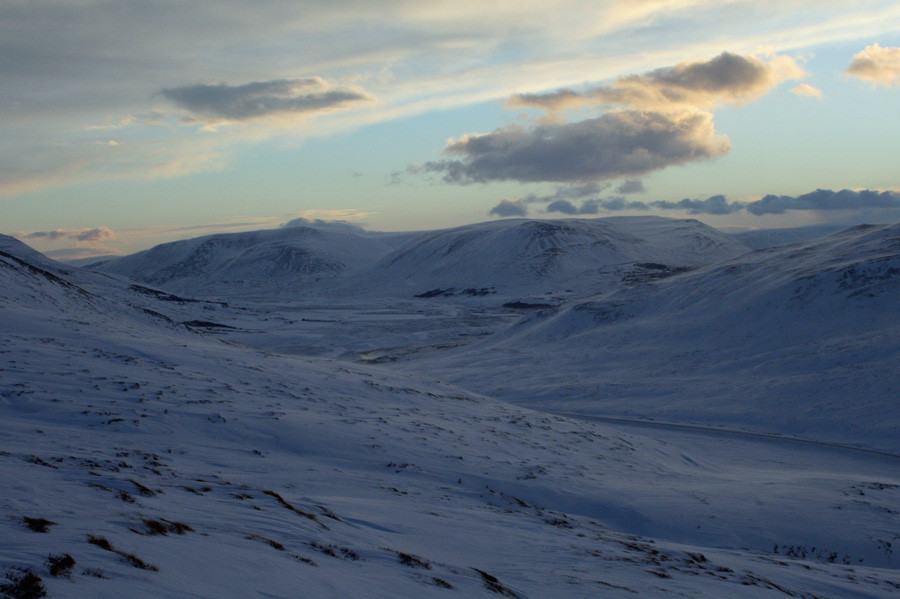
column 820, row 200
column 99, row 234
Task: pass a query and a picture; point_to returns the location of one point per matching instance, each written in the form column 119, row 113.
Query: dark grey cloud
column 822, row 199
column 51, row 235
column 631, row 186
column 617, row 204
column 716, row 204
column 98, row 234
column 564, row 206
column 339, row 225
column 826, row 199
column 594, row 206
column 574, row 191
column 80, row 235
column 616, row 144
column 563, row 200
column 261, row 98
column 509, row 208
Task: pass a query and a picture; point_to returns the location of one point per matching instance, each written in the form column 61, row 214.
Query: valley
column 607, row 407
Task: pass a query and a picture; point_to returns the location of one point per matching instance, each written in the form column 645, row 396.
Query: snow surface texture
column 802, row 340
column 171, row 446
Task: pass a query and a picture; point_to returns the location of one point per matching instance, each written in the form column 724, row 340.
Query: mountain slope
column 801, row 340
column 143, row 459
column 537, row 256
column 771, row 238
column 512, row 257
column 286, row 260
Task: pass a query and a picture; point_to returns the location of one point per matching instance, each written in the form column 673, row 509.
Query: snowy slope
column 162, row 462
column 283, row 261
column 802, row 340
column 524, row 257
column 770, row 238
column 508, row 257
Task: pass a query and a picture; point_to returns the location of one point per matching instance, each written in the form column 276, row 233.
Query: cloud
column 716, row 204
column 876, row 64
column 631, row 186
column 262, row 98
column 78, row 235
column 728, row 78
column 618, row 204
column 49, row 235
column 67, row 64
column 98, row 234
column 509, row 208
column 564, row 192
column 819, row 200
column 79, row 254
column 805, row 89
column 338, row 225
column 122, row 122
column 651, row 122
column 616, row 144
column 594, row 206
column 564, row 206
column 825, row 199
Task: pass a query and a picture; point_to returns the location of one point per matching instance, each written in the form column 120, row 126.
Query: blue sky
column 128, row 123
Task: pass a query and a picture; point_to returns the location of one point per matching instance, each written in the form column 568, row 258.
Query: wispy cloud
column 879, row 65
column 71, row 68
column 246, row 223
column 78, row 243
column 805, row 89
column 99, row 234
column 728, row 78
column 51, row 235
column 263, row 98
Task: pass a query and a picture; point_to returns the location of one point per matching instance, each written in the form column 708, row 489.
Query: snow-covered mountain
column 520, row 256
column 256, row 263
column 142, row 456
column 801, row 340
column 508, row 256
column 761, row 239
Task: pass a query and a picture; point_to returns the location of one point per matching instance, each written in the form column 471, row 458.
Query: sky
column 128, row 123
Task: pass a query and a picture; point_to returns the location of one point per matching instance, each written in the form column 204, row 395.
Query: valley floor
column 168, row 463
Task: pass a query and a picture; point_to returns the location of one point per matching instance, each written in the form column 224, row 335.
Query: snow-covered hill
column 140, row 457
column 547, row 258
column 802, row 340
column 509, row 257
column 762, row 239
column 282, row 261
